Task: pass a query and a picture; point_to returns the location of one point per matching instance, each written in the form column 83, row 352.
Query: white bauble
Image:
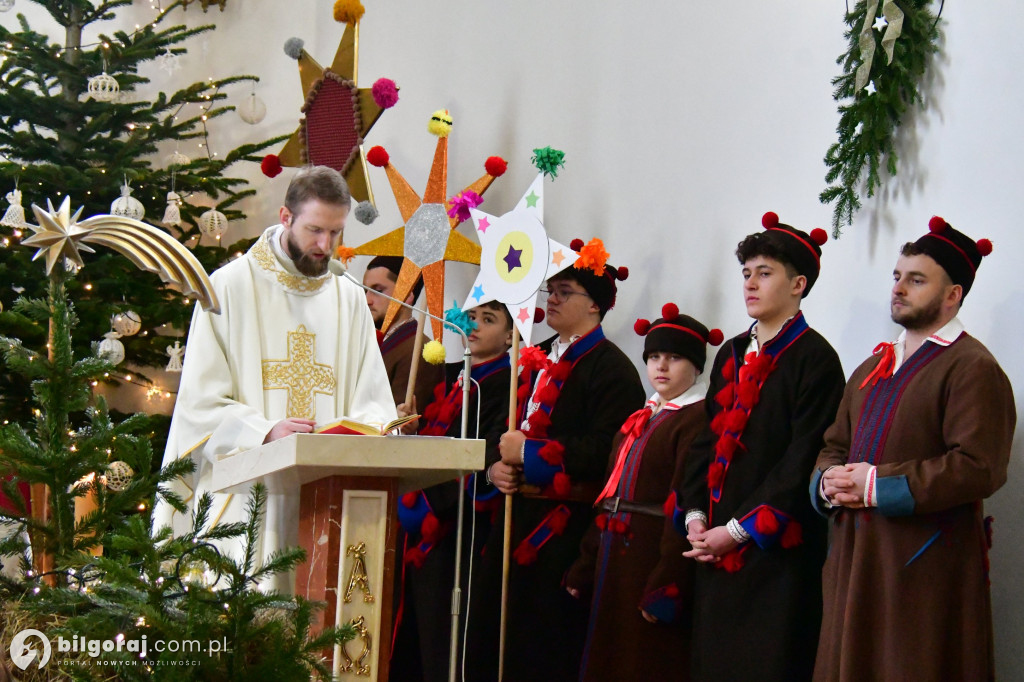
column 111, row 349
column 119, row 474
column 103, row 88
column 213, row 223
column 127, row 323
column 128, row 206
column 252, row 110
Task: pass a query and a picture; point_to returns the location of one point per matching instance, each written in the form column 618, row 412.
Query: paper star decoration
column 59, row 235
column 880, row 23
column 428, row 239
column 338, row 115
column 517, row 258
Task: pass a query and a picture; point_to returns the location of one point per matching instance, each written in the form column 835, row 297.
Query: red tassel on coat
column 765, row 522
column 792, row 536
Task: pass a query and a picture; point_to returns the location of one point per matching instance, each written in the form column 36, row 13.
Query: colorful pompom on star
column 548, row 160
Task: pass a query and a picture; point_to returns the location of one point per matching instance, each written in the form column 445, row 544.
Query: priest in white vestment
column 294, row 346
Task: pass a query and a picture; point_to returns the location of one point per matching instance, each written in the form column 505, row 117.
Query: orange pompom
column 378, row 156
column 348, row 11
column 344, row 253
column 770, row 220
column 984, row 247
column 937, row 224
column 495, row 166
column 669, row 311
column 715, row 337
column 819, row 236
column 642, row 326
column 592, row 257
column 765, row 522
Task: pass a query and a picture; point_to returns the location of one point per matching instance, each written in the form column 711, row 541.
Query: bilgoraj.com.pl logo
column 31, row 645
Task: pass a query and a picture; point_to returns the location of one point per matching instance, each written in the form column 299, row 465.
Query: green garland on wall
column 890, row 44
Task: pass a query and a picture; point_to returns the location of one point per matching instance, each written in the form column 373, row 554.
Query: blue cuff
column 412, row 518
column 764, row 540
column 536, row 471
column 815, row 491
column 893, row 494
column 663, row 609
column 484, row 491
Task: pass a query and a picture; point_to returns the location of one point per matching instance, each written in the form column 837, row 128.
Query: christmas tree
column 71, row 124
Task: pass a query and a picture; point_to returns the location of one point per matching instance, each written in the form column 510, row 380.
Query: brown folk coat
column 906, row 592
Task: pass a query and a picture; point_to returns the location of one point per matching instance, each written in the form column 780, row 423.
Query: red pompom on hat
column 675, row 333
column 538, row 315
column 937, row 224
column 642, row 326
column 800, row 250
column 378, row 156
column 271, row 165
column 622, row 273
column 984, row 247
column 576, row 244
column 669, row 311
column 770, row 220
column 715, row 337
column 819, row 236
column 495, row 166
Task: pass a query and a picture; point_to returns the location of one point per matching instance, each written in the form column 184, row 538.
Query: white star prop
column 517, row 258
column 870, row 88
column 880, row 23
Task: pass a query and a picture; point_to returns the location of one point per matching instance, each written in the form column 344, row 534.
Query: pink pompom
column 715, row 337
column 669, row 311
column 936, row 224
column 819, row 236
column 770, row 220
column 642, row 326
column 378, row 156
column 271, row 165
column 576, row 244
column 385, row 93
column 984, row 247
column 496, row 166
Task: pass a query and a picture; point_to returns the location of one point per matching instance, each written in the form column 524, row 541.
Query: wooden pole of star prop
column 414, row 368
column 506, row 548
column 60, row 238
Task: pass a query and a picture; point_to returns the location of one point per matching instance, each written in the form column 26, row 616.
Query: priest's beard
column 920, row 317
column 304, row 263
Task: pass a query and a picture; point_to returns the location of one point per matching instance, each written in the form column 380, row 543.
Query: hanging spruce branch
column 868, row 121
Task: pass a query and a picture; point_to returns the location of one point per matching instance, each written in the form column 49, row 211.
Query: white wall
column 682, row 123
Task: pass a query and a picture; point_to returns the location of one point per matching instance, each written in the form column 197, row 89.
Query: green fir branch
column 868, row 123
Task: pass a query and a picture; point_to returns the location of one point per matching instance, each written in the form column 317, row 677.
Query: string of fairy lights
column 153, row 391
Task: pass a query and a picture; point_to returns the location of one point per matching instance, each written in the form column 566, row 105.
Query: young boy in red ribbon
column 639, row 612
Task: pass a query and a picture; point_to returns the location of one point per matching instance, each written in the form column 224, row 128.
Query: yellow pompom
column 440, row 123
column 348, row 11
column 433, row 352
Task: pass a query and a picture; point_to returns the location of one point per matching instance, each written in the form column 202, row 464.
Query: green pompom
column 548, row 160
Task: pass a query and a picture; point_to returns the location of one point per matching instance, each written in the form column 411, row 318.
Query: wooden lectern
column 349, row 489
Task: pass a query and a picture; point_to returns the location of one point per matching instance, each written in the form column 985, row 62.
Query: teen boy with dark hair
column 774, row 389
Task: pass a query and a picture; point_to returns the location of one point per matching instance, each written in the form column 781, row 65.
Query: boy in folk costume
column 774, row 389
column 639, row 600
column 577, row 389
column 427, row 517
column 923, row 435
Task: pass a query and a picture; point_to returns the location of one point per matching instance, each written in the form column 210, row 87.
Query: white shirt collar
column 559, row 347
column 690, row 396
column 949, row 333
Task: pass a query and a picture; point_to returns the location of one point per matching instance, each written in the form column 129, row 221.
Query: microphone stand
column 337, row 268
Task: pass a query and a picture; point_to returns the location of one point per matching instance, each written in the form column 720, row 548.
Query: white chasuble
column 286, row 345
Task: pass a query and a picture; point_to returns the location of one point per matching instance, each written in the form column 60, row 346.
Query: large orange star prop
column 337, row 113
column 428, row 238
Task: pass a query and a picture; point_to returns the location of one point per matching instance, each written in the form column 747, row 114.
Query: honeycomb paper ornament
column 111, row 349
column 119, row 475
column 176, row 158
column 213, row 223
column 252, row 110
column 127, row 323
column 15, row 214
column 103, row 88
column 127, row 206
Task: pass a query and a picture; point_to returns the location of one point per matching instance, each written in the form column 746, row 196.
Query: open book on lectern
column 351, row 427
